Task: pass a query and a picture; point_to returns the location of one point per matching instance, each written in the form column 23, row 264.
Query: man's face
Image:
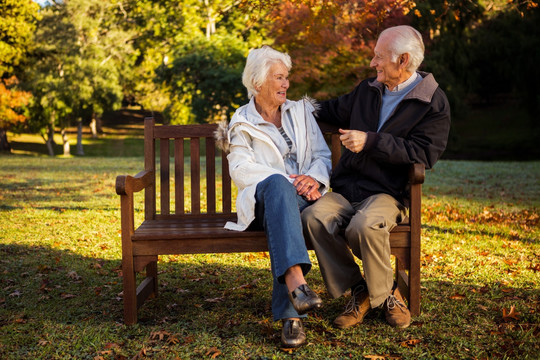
column 388, row 72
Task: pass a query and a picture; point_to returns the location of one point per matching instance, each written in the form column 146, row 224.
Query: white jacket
column 254, row 155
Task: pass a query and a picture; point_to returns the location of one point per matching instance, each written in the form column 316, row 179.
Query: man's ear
column 404, row 60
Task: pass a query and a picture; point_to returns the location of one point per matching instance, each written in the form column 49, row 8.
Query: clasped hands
column 306, row 186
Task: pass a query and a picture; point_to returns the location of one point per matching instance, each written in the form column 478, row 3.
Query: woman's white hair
column 406, row 39
column 258, row 65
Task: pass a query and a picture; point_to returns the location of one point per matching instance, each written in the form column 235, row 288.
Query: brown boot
column 395, row 311
column 355, row 310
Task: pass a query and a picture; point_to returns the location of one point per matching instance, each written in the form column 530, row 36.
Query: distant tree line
column 66, row 63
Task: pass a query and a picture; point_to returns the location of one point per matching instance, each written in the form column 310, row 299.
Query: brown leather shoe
column 292, row 334
column 304, row 299
column 356, row 309
column 395, row 311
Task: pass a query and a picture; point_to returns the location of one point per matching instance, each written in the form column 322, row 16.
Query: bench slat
column 195, row 175
column 184, row 131
column 210, row 175
column 179, row 175
column 226, row 184
column 164, row 176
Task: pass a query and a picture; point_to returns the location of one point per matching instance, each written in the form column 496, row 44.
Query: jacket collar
column 249, row 113
column 423, row 91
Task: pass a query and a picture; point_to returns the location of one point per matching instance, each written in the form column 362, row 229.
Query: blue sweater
column 391, row 99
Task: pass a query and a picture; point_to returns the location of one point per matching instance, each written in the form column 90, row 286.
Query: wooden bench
column 175, row 231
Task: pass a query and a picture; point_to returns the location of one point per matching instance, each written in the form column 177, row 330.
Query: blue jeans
column 277, row 212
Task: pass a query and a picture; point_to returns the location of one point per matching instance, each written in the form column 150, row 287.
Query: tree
column 17, row 23
column 330, row 42
column 200, row 65
column 79, row 66
column 205, row 79
column 11, row 103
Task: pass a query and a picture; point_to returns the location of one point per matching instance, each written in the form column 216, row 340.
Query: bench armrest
column 417, row 174
column 126, row 184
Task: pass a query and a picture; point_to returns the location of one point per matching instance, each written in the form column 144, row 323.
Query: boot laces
column 352, row 306
column 392, row 302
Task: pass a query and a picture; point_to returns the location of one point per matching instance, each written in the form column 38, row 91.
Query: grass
column 60, row 275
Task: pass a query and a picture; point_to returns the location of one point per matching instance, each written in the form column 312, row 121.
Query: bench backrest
column 205, row 162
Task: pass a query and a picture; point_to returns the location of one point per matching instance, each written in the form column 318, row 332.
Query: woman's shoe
column 304, row 299
column 293, row 334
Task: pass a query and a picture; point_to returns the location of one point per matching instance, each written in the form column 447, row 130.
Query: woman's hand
column 306, row 186
column 354, row 140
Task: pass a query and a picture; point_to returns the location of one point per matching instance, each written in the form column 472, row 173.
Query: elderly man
column 387, row 123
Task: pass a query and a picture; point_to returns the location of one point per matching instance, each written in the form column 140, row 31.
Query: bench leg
column 414, row 289
column 130, row 292
column 152, row 272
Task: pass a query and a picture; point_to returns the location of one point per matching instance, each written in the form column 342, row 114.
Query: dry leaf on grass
column 511, row 315
column 410, row 343
column 213, row 352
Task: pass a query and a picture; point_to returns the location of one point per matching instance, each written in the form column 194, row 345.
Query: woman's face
column 274, row 89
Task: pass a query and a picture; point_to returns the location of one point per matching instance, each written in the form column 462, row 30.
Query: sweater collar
column 423, row 91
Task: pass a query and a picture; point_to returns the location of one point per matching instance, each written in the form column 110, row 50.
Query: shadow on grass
column 206, row 303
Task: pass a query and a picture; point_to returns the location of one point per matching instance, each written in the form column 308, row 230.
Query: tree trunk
column 50, row 131
column 80, row 150
column 4, row 143
column 93, row 127
column 65, row 141
column 50, row 143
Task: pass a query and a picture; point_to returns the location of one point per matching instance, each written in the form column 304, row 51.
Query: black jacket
column 416, row 132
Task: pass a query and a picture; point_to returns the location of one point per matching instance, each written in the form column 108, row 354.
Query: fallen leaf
column 213, row 352
column 67, row 296
column 160, row 335
column 16, row 293
column 73, row 275
column 374, row 357
column 215, row 300
column 410, row 343
column 512, row 314
column 173, row 339
column 457, row 297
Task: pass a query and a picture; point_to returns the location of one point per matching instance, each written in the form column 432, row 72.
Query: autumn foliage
column 11, row 103
column 331, row 42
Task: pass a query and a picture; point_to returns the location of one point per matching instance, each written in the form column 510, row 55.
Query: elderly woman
column 280, row 163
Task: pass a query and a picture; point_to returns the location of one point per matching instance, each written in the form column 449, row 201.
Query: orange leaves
column 526, row 219
column 510, row 315
column 213, row 353
column 410, row 343
column 11, row 101
column 457, row 296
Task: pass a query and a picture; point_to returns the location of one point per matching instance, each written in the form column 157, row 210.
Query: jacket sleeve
column 424, row 144
column 321, row 164
column 337, row 111
column 243, row 167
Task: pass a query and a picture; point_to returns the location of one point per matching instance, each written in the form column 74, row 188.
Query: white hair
column 405, row 39
column 258, row 65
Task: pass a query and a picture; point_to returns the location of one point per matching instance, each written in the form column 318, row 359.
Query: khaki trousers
column 337, row 227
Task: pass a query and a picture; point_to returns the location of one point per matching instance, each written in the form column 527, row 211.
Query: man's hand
column 354, row 140
column 306, row 186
